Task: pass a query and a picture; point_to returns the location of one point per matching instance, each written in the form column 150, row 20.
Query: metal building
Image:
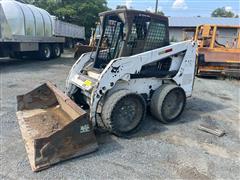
column 182, row 28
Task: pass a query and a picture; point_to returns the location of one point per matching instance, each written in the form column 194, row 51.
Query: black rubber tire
column 119, row 122
column 56, row 51
column 45, row 52
column 168, row 103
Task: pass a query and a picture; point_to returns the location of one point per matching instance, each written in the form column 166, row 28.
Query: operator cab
column 129, row 32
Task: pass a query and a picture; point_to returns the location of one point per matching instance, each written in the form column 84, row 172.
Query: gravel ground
column 157, row 151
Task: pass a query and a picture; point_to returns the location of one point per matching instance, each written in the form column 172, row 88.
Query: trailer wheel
column 56, row 51
column 168, row 103
column 45, row 52
column 123, row 112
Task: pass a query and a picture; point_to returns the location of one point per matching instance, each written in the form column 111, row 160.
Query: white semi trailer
column 26, row 30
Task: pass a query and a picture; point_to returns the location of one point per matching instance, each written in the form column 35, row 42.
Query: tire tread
column 158, row 100
column 108, row 107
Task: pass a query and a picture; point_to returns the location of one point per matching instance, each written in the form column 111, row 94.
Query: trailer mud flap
column 53, row 127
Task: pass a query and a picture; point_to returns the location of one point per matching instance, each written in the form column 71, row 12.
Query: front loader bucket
column 53, row 127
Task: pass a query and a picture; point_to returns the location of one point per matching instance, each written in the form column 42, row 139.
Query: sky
column 180, row 7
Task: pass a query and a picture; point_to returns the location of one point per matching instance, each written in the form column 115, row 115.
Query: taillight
column 168, row 50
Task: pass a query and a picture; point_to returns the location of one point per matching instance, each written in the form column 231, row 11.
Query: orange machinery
column 218, row 50
column 92, row 46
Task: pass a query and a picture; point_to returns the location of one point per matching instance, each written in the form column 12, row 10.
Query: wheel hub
column 57, row 51
column 173, row 104
column 126, row 113
column 47, row 53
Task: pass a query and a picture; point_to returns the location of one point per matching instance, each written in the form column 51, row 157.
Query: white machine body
column 117, row 74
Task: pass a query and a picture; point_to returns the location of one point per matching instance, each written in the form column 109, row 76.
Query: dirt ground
column 157, row 151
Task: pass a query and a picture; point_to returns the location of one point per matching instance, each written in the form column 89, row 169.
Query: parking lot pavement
column 157, row 151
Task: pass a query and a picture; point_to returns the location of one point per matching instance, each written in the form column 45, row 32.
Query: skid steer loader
column 109, row 89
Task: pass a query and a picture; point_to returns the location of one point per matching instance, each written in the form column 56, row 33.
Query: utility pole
column 156, row 8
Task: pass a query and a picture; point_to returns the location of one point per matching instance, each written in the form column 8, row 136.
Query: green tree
column 121, row 7
column 48, row 5
column 80, row 12
column 222, row 12
column 159, row 12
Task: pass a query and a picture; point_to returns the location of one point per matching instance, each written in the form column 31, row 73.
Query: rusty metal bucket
column 53, row 127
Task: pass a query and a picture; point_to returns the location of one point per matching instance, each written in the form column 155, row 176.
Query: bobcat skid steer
column 109, row 89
